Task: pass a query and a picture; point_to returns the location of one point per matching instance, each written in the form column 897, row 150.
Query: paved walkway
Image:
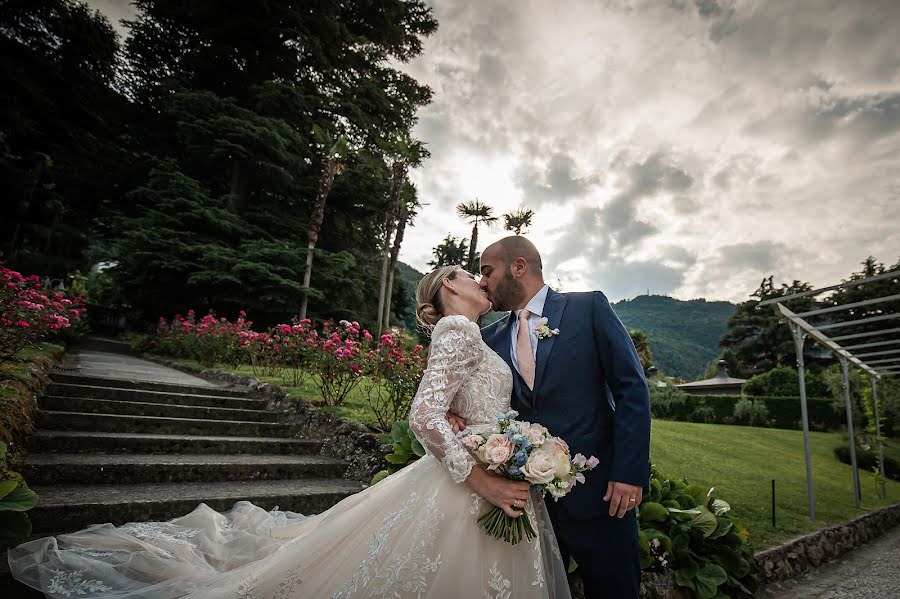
column 869, row 572
column 121, row 366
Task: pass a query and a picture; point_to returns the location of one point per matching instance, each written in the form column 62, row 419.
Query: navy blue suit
column 590, row 390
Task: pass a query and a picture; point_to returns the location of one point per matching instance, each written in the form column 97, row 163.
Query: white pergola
column 877, row 358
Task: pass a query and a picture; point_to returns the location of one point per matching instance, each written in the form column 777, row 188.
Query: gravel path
column 870, row 572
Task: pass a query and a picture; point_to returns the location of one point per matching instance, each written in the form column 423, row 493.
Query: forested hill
column 684, row 335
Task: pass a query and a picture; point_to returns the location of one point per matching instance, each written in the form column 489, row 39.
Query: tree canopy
column 185, row 156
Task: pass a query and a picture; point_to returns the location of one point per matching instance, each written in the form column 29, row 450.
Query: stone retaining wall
column 349, row 441
column 810, row 551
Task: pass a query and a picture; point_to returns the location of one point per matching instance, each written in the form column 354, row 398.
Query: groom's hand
column 457, row 423
column 622, row 498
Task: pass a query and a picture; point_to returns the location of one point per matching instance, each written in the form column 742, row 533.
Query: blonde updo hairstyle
column 429, row 307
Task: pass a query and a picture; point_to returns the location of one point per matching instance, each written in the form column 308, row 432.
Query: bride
column 414, row 534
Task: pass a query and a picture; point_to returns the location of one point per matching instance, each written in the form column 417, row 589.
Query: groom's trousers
column 606, row 550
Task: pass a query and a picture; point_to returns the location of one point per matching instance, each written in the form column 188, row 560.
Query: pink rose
column 562, row 445
column 497, row 450
column 536, row 434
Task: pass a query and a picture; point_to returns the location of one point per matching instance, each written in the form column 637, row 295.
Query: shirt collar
column 536, row 304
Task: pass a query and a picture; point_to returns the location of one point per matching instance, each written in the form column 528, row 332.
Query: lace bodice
column 466, row 377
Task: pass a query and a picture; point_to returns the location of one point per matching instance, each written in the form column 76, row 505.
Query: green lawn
column 741, row 463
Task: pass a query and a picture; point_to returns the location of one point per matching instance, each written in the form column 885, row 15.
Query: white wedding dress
column 414, row 534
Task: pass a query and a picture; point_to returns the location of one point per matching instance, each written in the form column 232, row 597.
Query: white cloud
column 688, row 148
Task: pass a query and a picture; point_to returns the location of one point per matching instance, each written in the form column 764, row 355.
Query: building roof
column 720, row 380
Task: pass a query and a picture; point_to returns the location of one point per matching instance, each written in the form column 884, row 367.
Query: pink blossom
column 497, row 450
column 23, row 324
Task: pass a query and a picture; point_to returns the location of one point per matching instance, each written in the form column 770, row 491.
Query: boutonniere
column 542, row 330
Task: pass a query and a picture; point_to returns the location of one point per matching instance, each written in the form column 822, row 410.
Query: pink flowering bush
column 295, row 347
column 210, row 340
column 30, row 313
column 395, row 374
column 338, row 359
column 341, row 356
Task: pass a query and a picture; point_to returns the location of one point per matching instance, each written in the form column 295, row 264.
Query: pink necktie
column 523, row 350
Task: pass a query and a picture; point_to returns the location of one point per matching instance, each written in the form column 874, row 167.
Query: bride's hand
column 457, row 423
column 509, row 495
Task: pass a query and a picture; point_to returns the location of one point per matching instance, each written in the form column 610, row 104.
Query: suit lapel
column 553, row 311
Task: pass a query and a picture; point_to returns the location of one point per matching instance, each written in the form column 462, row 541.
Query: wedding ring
column 631, row 499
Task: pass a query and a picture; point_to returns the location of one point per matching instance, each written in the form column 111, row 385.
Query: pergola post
column 878, row 436
column 850, row 432
column 799, row 337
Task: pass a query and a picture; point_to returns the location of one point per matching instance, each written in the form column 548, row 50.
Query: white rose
column 541, row 467
column 563, row 467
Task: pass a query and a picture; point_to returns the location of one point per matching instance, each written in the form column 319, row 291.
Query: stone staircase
column 115, row 450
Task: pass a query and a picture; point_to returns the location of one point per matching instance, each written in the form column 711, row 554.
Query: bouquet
column 524, row 451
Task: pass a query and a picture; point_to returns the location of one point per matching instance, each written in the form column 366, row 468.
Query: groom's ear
column 518, row 267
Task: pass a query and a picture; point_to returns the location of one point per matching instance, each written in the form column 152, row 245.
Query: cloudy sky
column 686, row 147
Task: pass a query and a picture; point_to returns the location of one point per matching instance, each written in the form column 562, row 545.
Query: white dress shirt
column 536, row 307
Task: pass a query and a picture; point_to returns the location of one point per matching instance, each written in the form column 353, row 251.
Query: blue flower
column 537, row 488
column 511, row 414
column 521, row 457
column 517, row 438
column 513, row 471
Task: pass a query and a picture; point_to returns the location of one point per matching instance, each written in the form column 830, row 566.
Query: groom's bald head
column 516, row 246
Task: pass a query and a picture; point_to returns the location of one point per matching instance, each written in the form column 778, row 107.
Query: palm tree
column 335, row 151
column 476, row 212
column 518, row 220
column 405, row 152
column 406, row 216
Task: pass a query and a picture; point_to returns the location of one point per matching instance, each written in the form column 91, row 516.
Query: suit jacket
column 589, row 389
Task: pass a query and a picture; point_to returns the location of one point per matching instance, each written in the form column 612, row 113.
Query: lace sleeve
column 456, row 351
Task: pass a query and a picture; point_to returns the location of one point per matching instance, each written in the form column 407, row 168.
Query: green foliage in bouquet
column 15, row 499
column 407, row 449
column 686, row 528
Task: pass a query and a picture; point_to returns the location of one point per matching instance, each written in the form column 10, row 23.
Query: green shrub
column 703, row 413
column 667, row 402
column 784, row 412
column 783, row 381
column 407, row 449
column 15, row 499
column 752, row 412
column 867, row 459
column 685, row 528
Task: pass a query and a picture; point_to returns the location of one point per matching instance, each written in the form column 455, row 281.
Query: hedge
column 784, row 412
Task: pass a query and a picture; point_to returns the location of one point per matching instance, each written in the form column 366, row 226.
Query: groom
column 586, row 385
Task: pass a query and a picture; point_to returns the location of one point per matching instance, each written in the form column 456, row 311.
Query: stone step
column 118, row 442
column 79, row 421
column 67, row 508
column 99, row 381
column 168, row 397
column 139, row 408
column 107, row 469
